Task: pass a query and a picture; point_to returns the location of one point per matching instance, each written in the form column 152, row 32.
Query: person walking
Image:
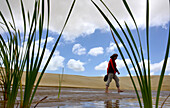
column 111, row 72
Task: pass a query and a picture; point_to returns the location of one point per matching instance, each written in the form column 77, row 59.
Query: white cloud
column 112, row 47
column 152, row 73
column 49, row 40
column 78, row 49
column 1, row 63
column 96, row 51
column 102, row 66
column 119, row 63
column 155, row 68
column 56, row 61
column 128, row 75
column 85, row 18
column 76, row 65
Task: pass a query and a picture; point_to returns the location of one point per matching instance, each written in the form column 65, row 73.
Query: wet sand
column 87, row 98
column 89, row 92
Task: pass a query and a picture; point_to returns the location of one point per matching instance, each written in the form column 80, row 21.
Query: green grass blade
column 163, row 71
column 148, row 92
column 127, row 70
column 118, row 47
column 128, row 43
column 129, row 11
column 148, row 53
column 10, row 10
column 60, row 83
column 5, row 22
column 28, row 18
column 122, row 28
column 23, row 15
column 28, row 86
column 56, row 43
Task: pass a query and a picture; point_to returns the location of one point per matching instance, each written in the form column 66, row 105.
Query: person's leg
column 110, row 76
column 106, row 90
column 117, row 83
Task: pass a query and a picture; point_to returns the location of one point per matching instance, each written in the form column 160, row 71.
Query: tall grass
column 60, row 83
column 18, row 53
column 136, row 56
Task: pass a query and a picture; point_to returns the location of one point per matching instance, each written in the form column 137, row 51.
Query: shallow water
column 90, row 98
column 93, row 98
column 123, row 103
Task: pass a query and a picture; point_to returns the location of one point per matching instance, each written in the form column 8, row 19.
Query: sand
column 81, row 92
column 52, row 80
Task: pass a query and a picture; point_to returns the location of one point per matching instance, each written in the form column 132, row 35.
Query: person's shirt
column 112, row 66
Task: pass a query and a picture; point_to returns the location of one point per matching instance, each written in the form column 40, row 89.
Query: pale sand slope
column 97, row 82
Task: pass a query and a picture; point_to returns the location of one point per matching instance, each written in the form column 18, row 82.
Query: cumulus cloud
column 96, row 51
column 49, row 41
column 75, row 65
column 85, row 18
column 155, row 68
column 56, row 61
column 102, row 66
column 119, row 63
column 78, row 49
column 112, row 47
column 141, row 65
column 1, row 63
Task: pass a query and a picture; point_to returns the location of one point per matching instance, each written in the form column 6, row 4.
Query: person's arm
column 114, row 69
column 108, row 68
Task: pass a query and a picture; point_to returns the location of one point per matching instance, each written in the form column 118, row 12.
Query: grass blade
column 163, row 71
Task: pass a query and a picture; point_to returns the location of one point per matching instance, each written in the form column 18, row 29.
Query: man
column 111, row 72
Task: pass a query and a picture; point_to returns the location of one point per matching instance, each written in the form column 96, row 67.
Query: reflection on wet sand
column 111, row 104
column 90, row 98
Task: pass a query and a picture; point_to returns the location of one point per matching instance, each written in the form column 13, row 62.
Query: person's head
column 114, row 56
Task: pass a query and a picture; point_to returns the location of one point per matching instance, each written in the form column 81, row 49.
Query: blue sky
column 87, row 44
column 79, row 61
column 78, row 58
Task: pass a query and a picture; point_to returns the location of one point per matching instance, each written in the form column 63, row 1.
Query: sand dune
column 97, row 82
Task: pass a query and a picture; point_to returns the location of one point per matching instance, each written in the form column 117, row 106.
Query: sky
column 87, row 44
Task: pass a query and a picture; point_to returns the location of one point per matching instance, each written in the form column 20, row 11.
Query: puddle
column 115, row 103
column 90, row 98
column 123, row 103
